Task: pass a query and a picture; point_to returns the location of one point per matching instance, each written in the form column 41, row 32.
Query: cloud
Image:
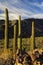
column 14, row 10
column 25, row 8
column 11, row 16
column 39, row 16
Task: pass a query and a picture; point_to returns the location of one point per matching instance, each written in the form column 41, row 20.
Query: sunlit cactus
column 32, row 38
column 14, row 43
column 5, row 54
column 6, row 28
column 19, row 34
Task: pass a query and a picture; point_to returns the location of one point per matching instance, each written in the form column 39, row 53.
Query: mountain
column 26, row 28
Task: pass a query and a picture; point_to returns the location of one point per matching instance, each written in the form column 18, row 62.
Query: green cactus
column 19, row 34
column 6, row 28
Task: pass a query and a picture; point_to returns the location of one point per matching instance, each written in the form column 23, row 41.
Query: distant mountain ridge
column 26, row 28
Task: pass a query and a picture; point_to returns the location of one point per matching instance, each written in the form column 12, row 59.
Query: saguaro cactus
column 15, row 38
column 6, row 29
column 19, row 33
column 32, row 37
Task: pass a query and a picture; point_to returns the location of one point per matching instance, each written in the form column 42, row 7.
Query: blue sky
column 25, row 8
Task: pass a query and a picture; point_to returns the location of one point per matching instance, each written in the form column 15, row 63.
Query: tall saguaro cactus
column 19, row 34
column 15, row 38
column 6, row 29
column 32, row 37
column 15, row 41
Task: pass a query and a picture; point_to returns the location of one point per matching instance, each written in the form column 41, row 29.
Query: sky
column 24, row 8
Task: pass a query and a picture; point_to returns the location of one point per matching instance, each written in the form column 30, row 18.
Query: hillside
column 26, row 28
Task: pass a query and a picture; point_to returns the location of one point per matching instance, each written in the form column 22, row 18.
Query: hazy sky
column 25, row 8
